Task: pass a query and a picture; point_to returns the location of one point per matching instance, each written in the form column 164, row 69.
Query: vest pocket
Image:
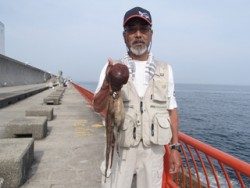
column 160, row 129
column 125, row 135
column 159, row 90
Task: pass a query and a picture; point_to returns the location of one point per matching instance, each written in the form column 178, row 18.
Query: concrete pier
column 35, row 127
column 42, row 110
column 11, row 95
column 16, row 158
column 71, row 154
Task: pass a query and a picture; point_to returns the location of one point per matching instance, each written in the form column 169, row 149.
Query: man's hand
column 101, row 97
column 174, row 161
column 175, row 158
column 110, row 65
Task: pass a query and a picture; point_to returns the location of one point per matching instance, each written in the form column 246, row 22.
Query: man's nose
column 138, row 33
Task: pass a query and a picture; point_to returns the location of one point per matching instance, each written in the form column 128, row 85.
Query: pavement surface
column 10, row 95
column 8, row 91
column 17, row 110
column 71, row 154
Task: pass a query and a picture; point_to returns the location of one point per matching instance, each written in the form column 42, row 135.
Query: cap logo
column 144, row 14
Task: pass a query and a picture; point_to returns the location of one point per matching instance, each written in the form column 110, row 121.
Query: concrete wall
column 2, row 39
column 13, row 73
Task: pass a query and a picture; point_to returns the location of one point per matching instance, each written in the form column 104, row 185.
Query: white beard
column 138, row 50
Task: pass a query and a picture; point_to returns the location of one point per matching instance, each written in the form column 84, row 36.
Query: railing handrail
column 227, row 159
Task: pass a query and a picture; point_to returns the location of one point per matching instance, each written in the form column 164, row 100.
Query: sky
column 205, row 42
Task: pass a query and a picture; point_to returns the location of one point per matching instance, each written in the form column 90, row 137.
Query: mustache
column 138, row 42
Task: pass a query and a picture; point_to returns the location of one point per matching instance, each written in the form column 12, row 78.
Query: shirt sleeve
column 171, row 90
column 101, row 78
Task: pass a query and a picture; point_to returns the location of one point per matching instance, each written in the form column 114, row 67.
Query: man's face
column 137, row 36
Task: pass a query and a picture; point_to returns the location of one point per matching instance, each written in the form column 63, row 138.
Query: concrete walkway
column 11, row 95
column 71, row 153
column 14, row 89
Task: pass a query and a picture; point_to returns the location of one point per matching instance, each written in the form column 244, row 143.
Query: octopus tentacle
column 114, row 117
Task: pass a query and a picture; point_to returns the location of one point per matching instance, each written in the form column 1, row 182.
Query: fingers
column 174, row 162
column 174, row 168
column 110, row 64
column 111, row 61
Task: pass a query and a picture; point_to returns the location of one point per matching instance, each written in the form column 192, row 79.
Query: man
column 151, row 119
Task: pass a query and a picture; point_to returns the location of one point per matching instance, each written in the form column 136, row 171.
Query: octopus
column 114, row 120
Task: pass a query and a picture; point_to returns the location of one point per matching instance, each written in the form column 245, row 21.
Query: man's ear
column 124, row 37
column 151, row 31
column 151, row 35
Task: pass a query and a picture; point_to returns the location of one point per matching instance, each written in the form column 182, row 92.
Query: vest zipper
column 141, row 107
column 152, row 129
column 134, row 133
column 141, row 110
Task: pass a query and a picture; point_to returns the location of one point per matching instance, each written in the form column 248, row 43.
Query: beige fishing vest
column 147, row 118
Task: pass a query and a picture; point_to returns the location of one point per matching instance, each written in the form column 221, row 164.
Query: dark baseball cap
column 137, row 12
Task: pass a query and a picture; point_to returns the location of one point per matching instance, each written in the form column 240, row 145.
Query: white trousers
column 145, row 162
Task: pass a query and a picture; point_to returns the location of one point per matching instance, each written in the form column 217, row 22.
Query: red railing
column 206, row 166
column 202, row 165
column 84, row 92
